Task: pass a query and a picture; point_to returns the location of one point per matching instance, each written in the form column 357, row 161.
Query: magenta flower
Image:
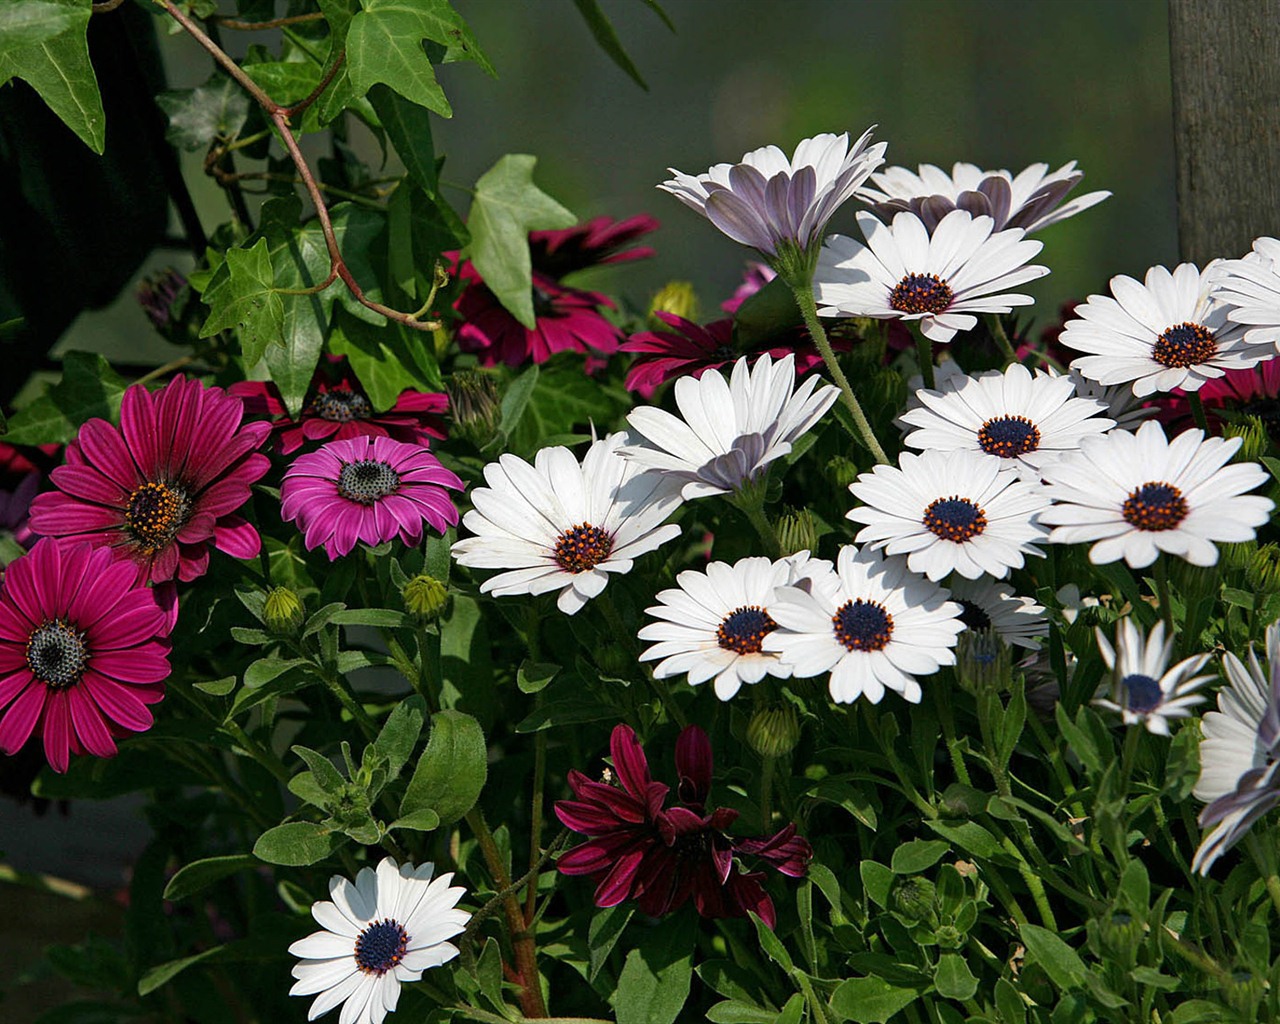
column 341, row 410
column 164, row 487
column 663, row 857
column 590, row 244
column 755, row 277
column 1254, row 391
column 370, row 489
column 83, row 650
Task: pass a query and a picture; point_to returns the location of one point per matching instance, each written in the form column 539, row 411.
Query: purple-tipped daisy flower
column 165, row 486
column 776, row 205
column 369, row 489
column 83, row 650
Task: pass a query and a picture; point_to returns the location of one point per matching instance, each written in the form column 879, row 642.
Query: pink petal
column 21, row 718
column 90, row 729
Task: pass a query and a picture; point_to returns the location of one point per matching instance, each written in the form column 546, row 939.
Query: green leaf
column 607, row 926
column 733, row 1012
column 216, row 110
column 408, row 126
column 563, row 399
column 516, row 399
column 793, row 1012
column 506, row 207
column 400, row 733
column 424, row 820
column 1009, row 1003
column 953, row 979
column 770, row 312
column 55, row 62
column 533, row 676
column 217, row 687
column 607, row 39
column 771, row 944
column 918, row 855
column 384, row 359
column 297, row 843
column 970, row 837
column 877, row 880
column 201, row 874
column 264, row 670
column 657, row 975
column 452, row 770
column 382, row 617
column 322, row 770
column 246, row 299
column 1060, row 961
column 870, row 1000
column 89, row 388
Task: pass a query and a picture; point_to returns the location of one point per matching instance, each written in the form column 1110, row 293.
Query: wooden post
column 1225, row 62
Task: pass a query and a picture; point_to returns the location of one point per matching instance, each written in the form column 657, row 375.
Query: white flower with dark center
column 1134, row 495
column 1167, row 332
column 1251, row 287
column 1014, row 419
column 769, row 202
column 904, row 273
column 730, row 432
column 558, row 525
column 950, row 512
column 1143, row 689
column 1240, row 753
column 714, row 623
column 870, row 622
column 379, row 932
column 1032, row 200
column 988, row 604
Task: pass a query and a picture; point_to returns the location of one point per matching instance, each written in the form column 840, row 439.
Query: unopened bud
column 156, row 295
column 774, row 731
column 798, row 531
column 677, row 298
column 474, row 405
column 914, row 898
column 1237, row 556
column 1263, row 572
column 1122, row 936
column 282, row 611
column 425, row 598
column 1253, row 437
column 842, row 472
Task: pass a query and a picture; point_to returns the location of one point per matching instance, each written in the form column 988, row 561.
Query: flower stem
column 1002, row 339
column 803, row 290
column 1197, row 411
column 1162, row 592
column 766, row 789
column 924, row 356
column 754, row 511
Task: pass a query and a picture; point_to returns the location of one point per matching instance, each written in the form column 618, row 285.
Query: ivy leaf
column 216, row 110
column 246, row 299
column 506, row 207
column 89, row 388
column 55, row 62
column 385, row 359
column 408, row 126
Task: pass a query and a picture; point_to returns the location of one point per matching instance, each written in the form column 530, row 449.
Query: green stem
column 766, row 789
column 535, row 813
column 924, row 356
column 803, row 290
column 1162, row 592
column 754, row 511
column 947, row 717
column 1197, row 410
column 339, row 688
column 1002, row 339
column 817, row 1005
column 1264, row 859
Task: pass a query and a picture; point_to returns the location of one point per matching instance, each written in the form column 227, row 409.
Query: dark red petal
column 629, row 761
column 694, row 765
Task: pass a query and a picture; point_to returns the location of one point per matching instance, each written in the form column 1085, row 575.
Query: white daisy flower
column 1031, row 200
column 715, row 622
column 870, row 622
column 558, row 525
column 902, row 272
column 1143, row 690
column 1012, row 418
column 989, row 604
column 730, row 432
column 379, row 932
column 1251, row 286
column 1167, row 332
column 950, row 512
column 767, row 201
column 1135, row 495
column 1240, row 753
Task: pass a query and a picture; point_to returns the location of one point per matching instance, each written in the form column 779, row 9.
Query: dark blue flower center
column 973, row 616
column 582, row 547
column 367, row 481
column 341, row 406
column 862, row 625
column 1009, row 436
column 155, row 514
column 1184, row 345
column 1143, row 692
column 743, row 630
column 381, row 946
column 955, row 519
column 921, row 293
column 57, row 654
column 1155, row 506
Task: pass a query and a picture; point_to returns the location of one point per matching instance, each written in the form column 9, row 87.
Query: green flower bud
column 1237, row 556
column 774, row 731
column 797, row 531
column 1121, row 936
column 677, row 298
column 425, row 598
column 474, row 405
column 842, row 472
column 282, row 611
column 914, row 898
column 1254, row 440
column 1263, row 572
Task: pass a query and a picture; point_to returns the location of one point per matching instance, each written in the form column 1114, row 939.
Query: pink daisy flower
column 369, row 489
column 341, row 409
column 164, row 487
column 83, row 650
column 592, row 243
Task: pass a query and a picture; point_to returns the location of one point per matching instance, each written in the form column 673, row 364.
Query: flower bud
column 1237, row 556
column 425, row 598
column 282, row 611
column 842, row 472
column 1122, row 935
column 774, row 731
column 474, row 405
column 1254, row 440
column 914, row 898
column 677, row 298
column 156, row 295
column 1263, row 572
column 797, row 531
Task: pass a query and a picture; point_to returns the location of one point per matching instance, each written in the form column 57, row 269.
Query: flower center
column 544, row 303
column 381, row 946
column 973, row 616
column 921, row 293
column 955, row 519
column 155, row 514
column 1183, row 345
column 367, row 481
column 1155, row 506
column 863, row 625
column 57, row 654
column 341, row 406
column 743, row 630
column 582, row 547
column 1009, row 436
column 1144, row 693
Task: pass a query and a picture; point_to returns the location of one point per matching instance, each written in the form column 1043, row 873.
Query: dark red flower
column 663, row 857
column 589, row 244
column 1250, row 392
column 340, row 410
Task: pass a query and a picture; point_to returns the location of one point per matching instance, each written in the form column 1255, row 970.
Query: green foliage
column 246, row 298
column 89, row 388
column 216, row 110
column 452, row 770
